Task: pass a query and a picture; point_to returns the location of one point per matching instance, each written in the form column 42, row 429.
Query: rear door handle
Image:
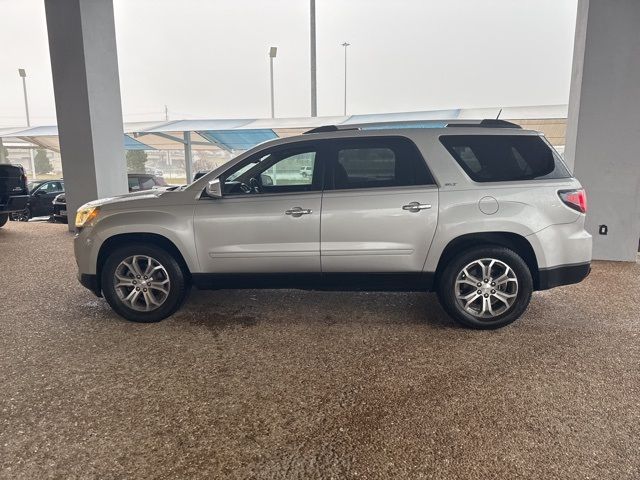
column 298, row 211
column 416, row 206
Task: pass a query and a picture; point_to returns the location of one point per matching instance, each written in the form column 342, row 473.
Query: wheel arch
column 513, row 241
column 123, row 239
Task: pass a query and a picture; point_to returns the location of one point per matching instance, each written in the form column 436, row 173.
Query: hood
column 127, row 197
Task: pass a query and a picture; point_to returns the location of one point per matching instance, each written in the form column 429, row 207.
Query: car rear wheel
column 486, row 287
column 143, row 283
column 3, row 219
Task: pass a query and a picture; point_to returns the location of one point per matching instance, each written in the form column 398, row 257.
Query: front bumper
column 563, row 275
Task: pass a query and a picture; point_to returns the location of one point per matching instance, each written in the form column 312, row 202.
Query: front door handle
column 298, row 212
column 416, row 206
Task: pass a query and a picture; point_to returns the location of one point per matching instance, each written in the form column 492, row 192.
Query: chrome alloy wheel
column 142, row 283
column 486, row 288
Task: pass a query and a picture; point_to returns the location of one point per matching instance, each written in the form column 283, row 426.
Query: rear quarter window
column 505, row 158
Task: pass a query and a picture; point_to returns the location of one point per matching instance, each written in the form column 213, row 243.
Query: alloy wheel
column 141, row 283
column 486, row 288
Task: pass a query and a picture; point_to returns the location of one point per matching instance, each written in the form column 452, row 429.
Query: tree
column 42, row 162
column 136, row 160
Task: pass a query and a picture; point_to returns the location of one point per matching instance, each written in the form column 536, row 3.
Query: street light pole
column 314, row 95
column 23, row 74
column 272, row 54
column 345, row 45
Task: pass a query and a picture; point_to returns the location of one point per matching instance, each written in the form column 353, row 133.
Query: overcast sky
column 208, row 58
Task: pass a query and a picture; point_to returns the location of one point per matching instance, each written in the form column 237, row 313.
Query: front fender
column 174, row 223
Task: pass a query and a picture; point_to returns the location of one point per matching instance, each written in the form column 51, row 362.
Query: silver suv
column 483, row 213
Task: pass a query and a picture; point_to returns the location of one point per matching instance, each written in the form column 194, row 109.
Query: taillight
column 24, row 181
column 576, row 199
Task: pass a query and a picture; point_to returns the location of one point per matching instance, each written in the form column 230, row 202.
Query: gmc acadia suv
column 483, row 213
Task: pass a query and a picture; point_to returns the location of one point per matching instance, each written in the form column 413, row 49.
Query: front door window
column 280, row 171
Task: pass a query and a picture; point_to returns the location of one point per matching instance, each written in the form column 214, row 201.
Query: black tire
column 22, row 216
column 178, row 283
column 447, row 287
column 4, row 219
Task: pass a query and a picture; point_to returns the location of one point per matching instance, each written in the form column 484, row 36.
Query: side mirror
column 214, row 189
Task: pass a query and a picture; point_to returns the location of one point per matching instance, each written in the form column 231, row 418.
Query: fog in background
column 209, row 59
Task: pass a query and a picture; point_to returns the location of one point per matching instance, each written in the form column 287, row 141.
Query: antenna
column 498, row 116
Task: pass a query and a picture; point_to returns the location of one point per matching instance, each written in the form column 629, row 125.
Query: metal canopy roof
column 238, row 139
column 241, row 134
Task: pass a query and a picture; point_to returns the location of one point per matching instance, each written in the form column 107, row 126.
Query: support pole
column 3, row 159
column 314, row 96
column 188, row 159
column 273, row 115
column 26, row 101
column 84, row 64
column 603, row 124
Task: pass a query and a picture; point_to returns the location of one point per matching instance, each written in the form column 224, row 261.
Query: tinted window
column 147, row 183
column 51, row 187
column 133, row 183
column 376, row 162
column 501, row 158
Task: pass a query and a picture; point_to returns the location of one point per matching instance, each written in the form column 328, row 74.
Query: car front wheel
column 143, row 283
column 486, row 287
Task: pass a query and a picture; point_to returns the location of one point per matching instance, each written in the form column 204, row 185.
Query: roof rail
column 329, row 128
column 487, row 123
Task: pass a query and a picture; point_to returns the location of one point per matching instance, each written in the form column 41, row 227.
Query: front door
column 379, row 209
column 268, row 220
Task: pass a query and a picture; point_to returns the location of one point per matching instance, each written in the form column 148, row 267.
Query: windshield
column 31, row 186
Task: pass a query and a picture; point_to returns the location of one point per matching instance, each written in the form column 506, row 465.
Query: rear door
column 379, row 208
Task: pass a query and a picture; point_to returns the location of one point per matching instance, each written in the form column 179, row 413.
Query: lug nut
column 493, row 291
column 137, row 276
column 145, row 277
column 486, row 295
column 479, row 292
column 486, row 280
column 493, row 284
column 137, row 289
column 144, row 289
column 134, row 282
column 479, row 284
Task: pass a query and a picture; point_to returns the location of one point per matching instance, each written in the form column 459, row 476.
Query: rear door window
column 504, row 158
column 378, row 162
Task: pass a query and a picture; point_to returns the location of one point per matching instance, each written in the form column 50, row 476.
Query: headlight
column 86, row 215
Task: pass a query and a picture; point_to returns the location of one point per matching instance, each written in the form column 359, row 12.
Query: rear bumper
column 91, row 282
column 563, row 275
column 15, row 203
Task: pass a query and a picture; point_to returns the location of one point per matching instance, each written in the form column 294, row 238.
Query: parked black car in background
column 137, row 182
column 14, row 194
column 144, row 181
column 41, row 195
